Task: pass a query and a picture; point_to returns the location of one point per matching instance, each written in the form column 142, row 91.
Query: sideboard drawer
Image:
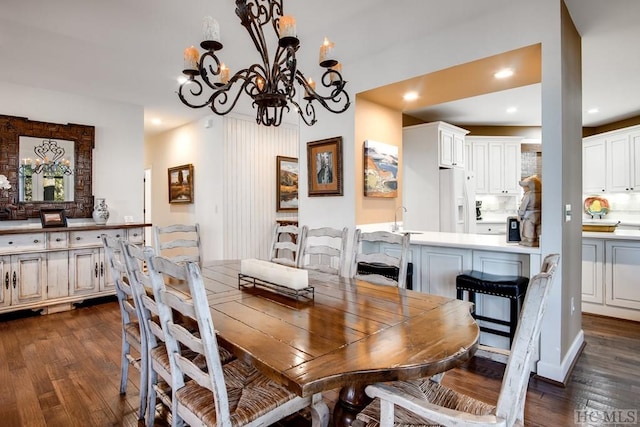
column 135, row 235
column 22, row 242
column 79, row 239
column 57, row 240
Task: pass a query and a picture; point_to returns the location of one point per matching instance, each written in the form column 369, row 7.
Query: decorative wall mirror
column 45, row 170
column 64, row 152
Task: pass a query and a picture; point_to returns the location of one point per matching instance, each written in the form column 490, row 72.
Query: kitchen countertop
column 616, row 235
column 489, row 242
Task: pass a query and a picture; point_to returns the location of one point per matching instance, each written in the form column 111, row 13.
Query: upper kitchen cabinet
column 593, row 160
column 611, row 161
column 496, row 162
column 623, row 162
column 445, row 140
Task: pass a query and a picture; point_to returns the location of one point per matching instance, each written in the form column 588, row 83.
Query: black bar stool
column 512, row 287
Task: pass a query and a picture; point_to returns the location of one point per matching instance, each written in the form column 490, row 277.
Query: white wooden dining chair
column 285, row 245
column 178, row 242
column 425, row 402
column 323, row 249
column 159, row 378
column 232, row 394
column 380, row 257
column 133, row 334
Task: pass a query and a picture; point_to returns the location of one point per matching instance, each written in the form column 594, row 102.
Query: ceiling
column 131, row 51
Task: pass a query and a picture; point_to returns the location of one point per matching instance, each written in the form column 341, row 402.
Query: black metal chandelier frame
column 272, row 87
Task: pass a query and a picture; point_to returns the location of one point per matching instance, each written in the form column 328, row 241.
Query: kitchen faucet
column 395, row 219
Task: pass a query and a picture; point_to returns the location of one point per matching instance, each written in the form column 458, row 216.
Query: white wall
column 117, row 156
column 234, row 164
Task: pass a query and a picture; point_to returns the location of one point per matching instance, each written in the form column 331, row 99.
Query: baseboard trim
column 559, row 374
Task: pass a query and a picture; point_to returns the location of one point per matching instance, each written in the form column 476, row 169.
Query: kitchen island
column 439, row 257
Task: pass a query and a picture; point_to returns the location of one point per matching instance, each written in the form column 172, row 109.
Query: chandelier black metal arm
column 272, row 87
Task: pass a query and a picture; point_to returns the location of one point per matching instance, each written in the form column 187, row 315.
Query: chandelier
column 271, row 86
column 56, row 165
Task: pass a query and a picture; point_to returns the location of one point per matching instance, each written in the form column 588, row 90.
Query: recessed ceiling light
column 512, row 110
column 156, row 121
column 593, row 110
column 410, row 96
column 504, row 73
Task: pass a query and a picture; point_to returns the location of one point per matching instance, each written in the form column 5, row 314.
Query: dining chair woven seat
column 132, row 329
column 431, row 392
column 250, row 394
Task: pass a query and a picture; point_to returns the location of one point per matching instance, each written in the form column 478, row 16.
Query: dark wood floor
column 63, row 370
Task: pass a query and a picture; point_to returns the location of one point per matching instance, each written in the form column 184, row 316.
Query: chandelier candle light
column 271, row 86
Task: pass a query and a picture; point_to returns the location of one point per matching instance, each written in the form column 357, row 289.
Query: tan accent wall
column 378, row 123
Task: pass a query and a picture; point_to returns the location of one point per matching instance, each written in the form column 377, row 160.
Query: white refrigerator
column 457, row 201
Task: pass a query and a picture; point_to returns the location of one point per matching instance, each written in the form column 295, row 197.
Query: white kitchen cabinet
column 480, row 165
column 57, row 274
column 86, row 269
column 440, row 266
column 623, row 162
column 496, row 163
column 593, row 166
column 592, row 271
column 622, row 266
column 504, row 168
column 451, row 146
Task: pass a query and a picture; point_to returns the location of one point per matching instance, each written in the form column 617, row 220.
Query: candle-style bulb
column 191, row 58
column 210, row 29
column 326, row 54
column 287, row 24
column 224, row 74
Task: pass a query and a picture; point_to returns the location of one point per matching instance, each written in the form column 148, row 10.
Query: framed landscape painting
column 181, row 184
column 324, row 165
column 380, row 169
column 287, row 184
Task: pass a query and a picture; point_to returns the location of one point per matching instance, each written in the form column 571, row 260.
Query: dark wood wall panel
column 11, row 128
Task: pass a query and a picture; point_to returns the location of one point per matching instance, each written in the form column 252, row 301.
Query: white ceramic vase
column 100, row 212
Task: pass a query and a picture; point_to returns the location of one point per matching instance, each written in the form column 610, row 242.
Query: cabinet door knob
column 6, row 280
column 117, row 235
column 11, row 243
column 77, row 238
column 15, row 280
column 135, row 234
column 36, row 241
column 96, row 270
column 58, row 239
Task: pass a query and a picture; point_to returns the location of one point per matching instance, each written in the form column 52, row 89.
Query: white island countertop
column 616, row 235
column 488, row 242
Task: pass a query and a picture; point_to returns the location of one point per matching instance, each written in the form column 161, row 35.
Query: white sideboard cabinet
column 51, row 269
